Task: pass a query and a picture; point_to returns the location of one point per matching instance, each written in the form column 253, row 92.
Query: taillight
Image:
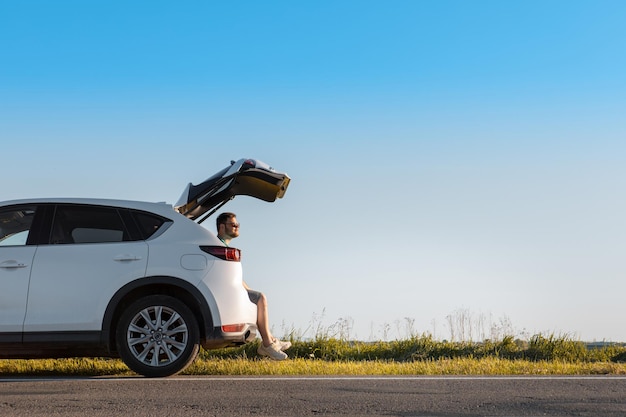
column 222, row 252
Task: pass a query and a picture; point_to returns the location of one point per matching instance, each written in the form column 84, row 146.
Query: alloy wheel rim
column 157, row 336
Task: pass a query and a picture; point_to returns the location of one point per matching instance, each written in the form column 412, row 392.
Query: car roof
column 160, row 207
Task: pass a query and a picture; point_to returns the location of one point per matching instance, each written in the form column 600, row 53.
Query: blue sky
column 449, row 158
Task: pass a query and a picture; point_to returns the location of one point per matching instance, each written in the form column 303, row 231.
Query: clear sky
column 450, row 160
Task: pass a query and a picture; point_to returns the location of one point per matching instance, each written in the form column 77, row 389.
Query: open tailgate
column 243, row 177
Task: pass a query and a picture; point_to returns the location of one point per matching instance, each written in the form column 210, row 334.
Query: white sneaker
column 284, row 344
column 272, row 351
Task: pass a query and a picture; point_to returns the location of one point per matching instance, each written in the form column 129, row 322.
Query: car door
column 244, row 177
column 16, row 258
column 88, row 258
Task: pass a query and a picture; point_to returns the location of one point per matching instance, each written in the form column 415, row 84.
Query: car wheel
column 158, row 336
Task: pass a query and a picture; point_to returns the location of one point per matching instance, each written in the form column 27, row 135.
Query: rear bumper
column 220, row 339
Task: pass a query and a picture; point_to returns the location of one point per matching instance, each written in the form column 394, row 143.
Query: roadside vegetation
column 417, row 355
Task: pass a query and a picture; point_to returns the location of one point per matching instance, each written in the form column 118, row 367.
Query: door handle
column 12, row 265
column 127, row 257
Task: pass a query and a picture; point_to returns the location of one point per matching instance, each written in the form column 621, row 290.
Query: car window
column 148, row 223
column 15, row 224
column 87, row 224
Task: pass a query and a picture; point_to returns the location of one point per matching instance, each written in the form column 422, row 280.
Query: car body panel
column 67, row 279
column 15, row 266
column 233, row 304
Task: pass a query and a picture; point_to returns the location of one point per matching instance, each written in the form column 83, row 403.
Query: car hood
column 243, row 177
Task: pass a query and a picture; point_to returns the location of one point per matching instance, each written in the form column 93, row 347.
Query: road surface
column 318, row 396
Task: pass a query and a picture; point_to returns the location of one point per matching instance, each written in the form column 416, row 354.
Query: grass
column 419, row 355
column 456, row 366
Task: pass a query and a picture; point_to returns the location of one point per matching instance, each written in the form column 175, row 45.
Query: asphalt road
column 300, row 396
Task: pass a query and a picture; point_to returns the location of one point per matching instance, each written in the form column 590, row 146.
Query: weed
column 331, row 352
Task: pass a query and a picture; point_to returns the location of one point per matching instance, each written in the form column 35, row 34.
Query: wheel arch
column 163, row 285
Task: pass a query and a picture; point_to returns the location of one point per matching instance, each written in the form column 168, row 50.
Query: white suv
column 142, row 281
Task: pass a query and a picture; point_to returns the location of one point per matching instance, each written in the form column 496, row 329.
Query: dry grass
column 300, row 366
column 456, row 366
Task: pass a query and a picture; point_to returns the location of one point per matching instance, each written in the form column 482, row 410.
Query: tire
column 158, row 336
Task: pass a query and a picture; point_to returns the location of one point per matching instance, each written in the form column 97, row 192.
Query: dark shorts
column 254, row 296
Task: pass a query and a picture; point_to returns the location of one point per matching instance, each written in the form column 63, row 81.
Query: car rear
column 200, row 258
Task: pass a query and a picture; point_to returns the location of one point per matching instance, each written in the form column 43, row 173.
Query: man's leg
column 262, row 321
column 269, row 346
